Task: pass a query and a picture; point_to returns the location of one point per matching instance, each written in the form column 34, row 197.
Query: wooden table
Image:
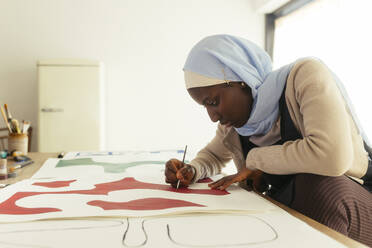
column 29, row 170
column 40, row 158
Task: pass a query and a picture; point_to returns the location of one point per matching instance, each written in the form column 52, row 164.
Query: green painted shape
column 108, row 167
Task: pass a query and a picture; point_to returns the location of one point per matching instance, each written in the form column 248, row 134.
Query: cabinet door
column 69, row 108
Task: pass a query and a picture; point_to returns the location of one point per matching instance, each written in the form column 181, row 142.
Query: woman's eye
column 213, row 103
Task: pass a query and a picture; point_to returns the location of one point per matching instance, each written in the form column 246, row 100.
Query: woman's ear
column 245, row 88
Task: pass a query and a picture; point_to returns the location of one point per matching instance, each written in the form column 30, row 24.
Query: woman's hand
column 242, row 175
column 176, row 170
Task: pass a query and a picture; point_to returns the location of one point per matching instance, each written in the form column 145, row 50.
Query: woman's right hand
column 176, row 170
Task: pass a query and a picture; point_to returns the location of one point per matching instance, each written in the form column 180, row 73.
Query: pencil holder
column 18, row 142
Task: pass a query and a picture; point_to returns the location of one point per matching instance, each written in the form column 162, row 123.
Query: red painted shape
column 9, row 206
column 205, row 180
column 131, row 183
column 56, row 184
column 144, row 204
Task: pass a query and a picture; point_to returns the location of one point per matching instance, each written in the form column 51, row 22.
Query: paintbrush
column 26, row 126
column 9, row 116
column 183, row 160
column 5, row 118
column 7, row 112
column 15, row 125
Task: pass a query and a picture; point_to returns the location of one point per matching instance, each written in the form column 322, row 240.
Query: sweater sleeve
column 212, row 158
column 326, row 146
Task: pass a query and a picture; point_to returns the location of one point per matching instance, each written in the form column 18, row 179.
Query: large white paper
column 99, row 163
column 141, row 192
column 133, row 206
column 275, row 229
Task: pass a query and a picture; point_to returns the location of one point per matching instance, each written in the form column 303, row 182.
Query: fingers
column 175, row 170
column 170, row 176
column 174, row 165
column 223, row 183
column 185, row 175
column 174, row 185
column 216, row 184
column 170, row 172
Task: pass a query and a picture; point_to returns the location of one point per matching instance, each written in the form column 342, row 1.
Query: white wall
column 143, row 45
column 267, row 6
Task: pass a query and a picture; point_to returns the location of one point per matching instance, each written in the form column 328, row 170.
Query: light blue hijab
column 232, row 58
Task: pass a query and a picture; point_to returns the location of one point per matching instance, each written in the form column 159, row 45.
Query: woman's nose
column 213, row 114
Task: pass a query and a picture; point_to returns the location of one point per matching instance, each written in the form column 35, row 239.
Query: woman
column 291, row 133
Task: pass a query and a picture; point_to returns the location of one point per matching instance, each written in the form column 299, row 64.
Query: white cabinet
column 71, row 116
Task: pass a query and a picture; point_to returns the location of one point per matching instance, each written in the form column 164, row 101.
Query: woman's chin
column 238, row 124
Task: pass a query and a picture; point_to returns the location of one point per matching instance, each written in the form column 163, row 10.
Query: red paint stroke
column 144, row 204
column 205, row 180
column 131, row 183
column 9, row 206
column 56, row 184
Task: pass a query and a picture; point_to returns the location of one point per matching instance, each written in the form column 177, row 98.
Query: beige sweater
column 331, row 144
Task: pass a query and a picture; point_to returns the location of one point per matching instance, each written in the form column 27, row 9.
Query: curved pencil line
column 125, row 235
column 228, row 245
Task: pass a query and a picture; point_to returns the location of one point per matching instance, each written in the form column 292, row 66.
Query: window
column 339, row 33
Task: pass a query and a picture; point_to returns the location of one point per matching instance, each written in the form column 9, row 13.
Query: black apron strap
column 367, row 178
column 278, row 187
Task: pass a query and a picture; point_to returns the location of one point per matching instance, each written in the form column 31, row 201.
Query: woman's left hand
column 244, row 174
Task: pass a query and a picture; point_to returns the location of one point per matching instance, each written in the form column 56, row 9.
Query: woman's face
column 229, row 104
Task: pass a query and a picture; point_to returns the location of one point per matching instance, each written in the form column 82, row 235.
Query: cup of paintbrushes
column 18, row 142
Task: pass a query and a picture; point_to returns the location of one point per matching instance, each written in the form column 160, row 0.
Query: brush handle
column 5, row 119
column 183, row 161
column 16, row 126
column 7, row 111
column 26, row 126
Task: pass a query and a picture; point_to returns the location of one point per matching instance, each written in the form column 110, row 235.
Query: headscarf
column 231, row 58
column 223, row 58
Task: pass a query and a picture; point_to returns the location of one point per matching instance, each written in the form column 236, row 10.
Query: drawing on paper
column 191, row 231
column 55, row 184
column 9, row 206
column 141, row 237
column 108, row 167
column 94, row 154
column 141, row 231
column 97, row 163
column 209, row 227
column 139, row 192
column 144, row 204
column 182, row 231
column 32, row 234
column 117, row 153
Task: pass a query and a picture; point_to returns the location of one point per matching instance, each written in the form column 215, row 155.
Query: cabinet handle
column 51, row 110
